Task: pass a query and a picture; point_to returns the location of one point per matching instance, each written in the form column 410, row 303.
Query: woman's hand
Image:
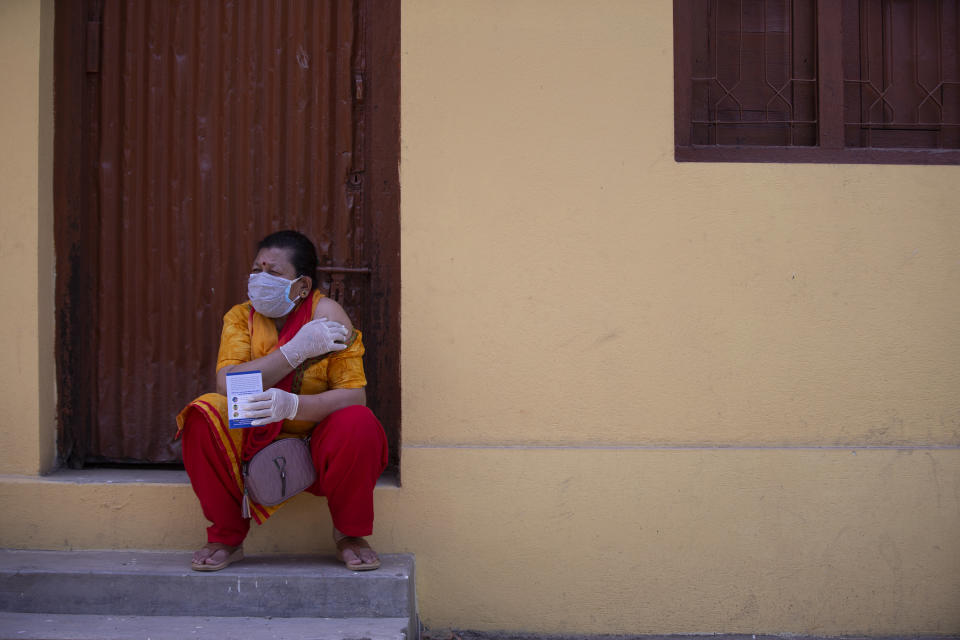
column 315, row 338
column 270, row 406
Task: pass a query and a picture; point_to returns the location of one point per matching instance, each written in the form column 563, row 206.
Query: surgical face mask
column 270, row 295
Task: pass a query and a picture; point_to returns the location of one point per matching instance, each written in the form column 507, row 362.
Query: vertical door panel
column 218, row 122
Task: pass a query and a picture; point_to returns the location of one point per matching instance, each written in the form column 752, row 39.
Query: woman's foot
column 355, row 553
column 215, row 556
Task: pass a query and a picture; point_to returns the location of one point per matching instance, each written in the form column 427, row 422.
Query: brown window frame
column 830, row 134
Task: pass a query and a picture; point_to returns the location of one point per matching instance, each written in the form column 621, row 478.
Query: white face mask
column 270, row 295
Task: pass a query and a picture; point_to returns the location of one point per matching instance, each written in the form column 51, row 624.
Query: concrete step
column 79, row 592
column 144, row 583
column 42, row 626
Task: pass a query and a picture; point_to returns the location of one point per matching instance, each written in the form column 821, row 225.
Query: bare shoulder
column 327, row 308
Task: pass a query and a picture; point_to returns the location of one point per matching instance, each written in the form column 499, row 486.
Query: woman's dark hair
column 303, row 255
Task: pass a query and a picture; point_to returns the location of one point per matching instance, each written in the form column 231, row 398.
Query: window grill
column 754, row 73
column 817, row 81
column 902, row 74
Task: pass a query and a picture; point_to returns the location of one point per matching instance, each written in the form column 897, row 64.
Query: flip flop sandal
column 353, row 544
column 235, row 555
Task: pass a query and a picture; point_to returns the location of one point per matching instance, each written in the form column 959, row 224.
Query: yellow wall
column 695, row 336
column 26, row 236
column 551, row 241
column 639, row 396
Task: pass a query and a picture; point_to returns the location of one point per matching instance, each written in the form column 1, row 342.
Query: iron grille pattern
column 754, row 73
column 902, row 74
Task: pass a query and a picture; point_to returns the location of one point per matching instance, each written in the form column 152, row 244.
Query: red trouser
column 349, row 451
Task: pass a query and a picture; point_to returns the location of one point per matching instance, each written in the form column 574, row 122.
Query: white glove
column 315, row 338
column 270, row 406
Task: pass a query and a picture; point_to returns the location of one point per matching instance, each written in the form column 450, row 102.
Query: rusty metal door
column 187, row 131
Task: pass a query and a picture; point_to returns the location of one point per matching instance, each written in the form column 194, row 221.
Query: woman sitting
column 310, row 359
